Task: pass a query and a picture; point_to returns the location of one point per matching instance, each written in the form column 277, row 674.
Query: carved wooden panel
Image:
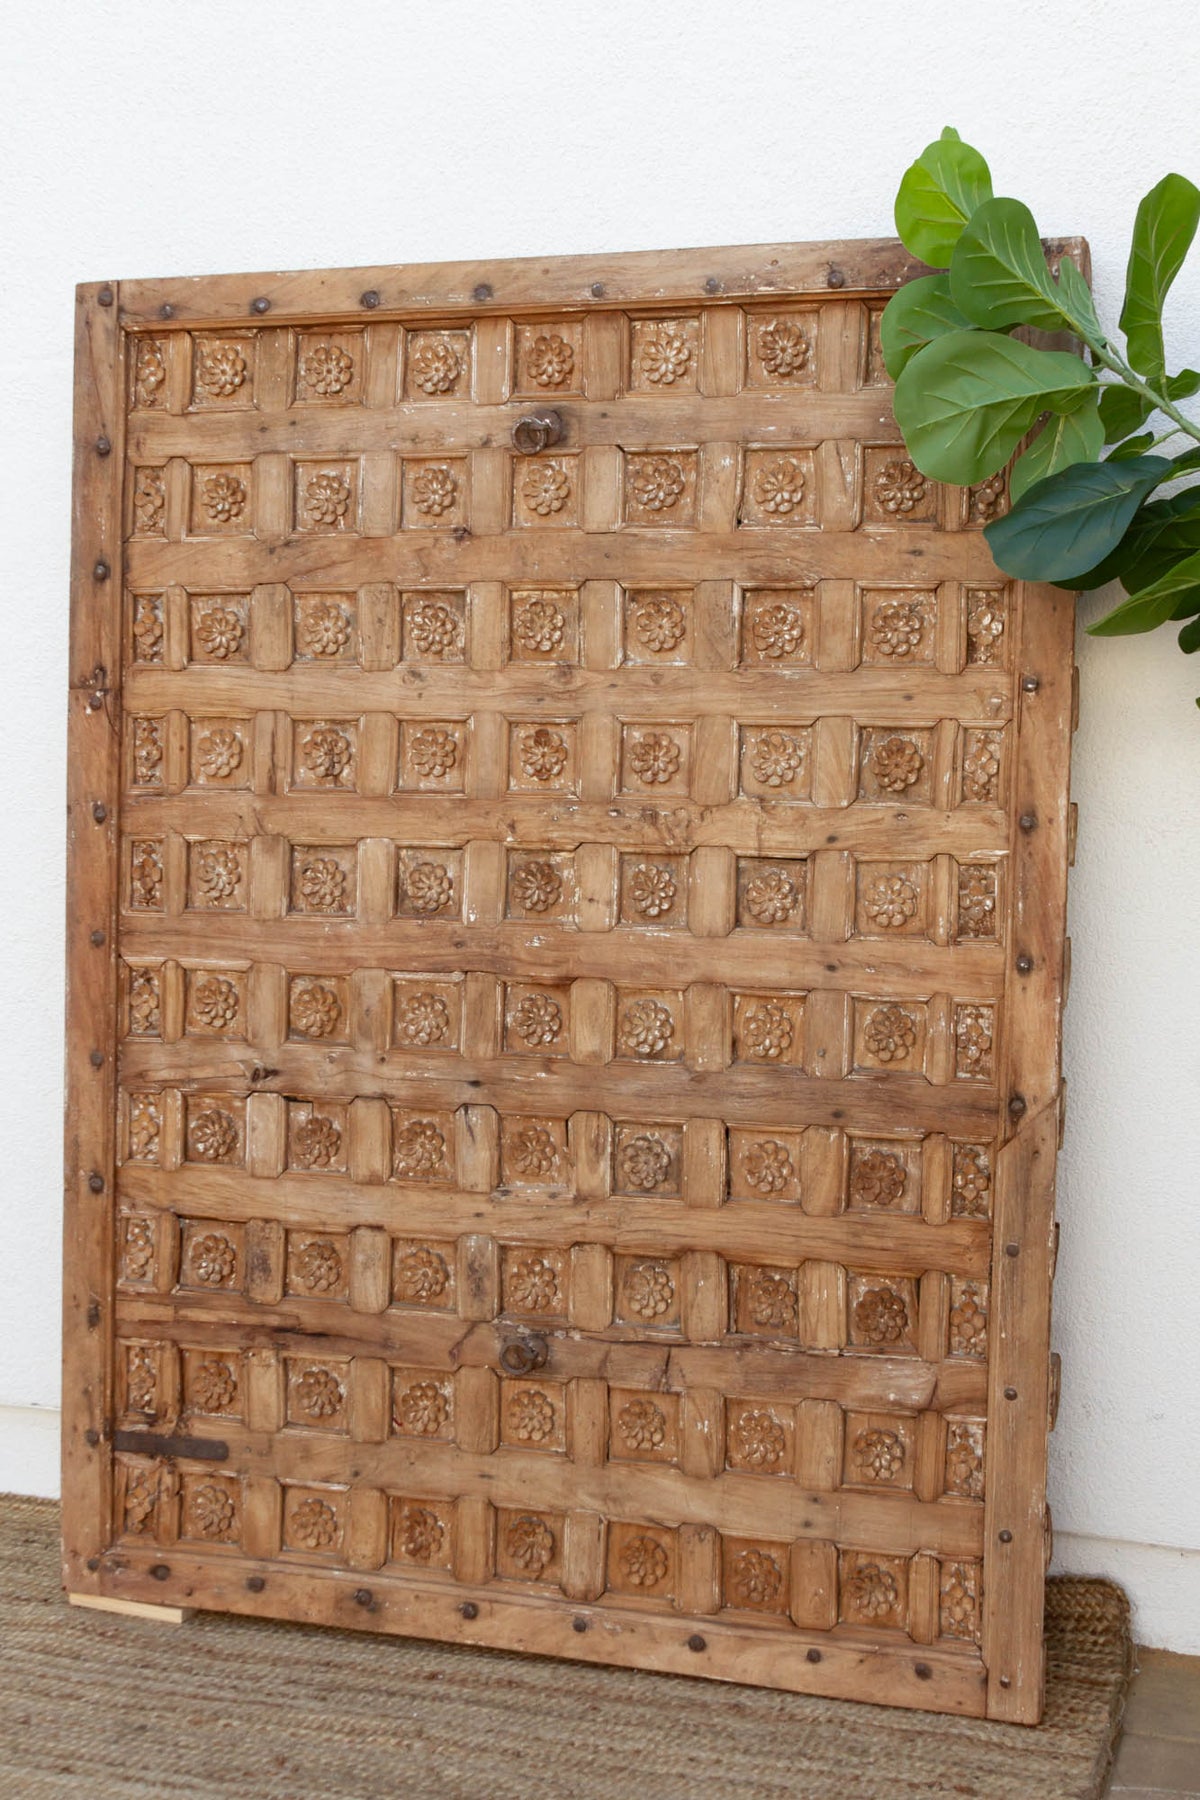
column 565, row 959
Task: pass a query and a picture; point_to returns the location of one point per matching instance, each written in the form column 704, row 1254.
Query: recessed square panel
column 775, row 762
column 664, row 355
column 319, row 1009
column 423, row 1144
column 220, row 626
column 764, row 1164
column 317, row 1137
column 656, row 757
column 660, row 488
column 533, row 1415
column 779, row 488
column 324, row 754
column 541, row 886
column 542, row 756
column 222, row 371
column 772, row 895
column 643, row 1426
column 529, row 1546
column 537, row 1018
column 535, row 1281
column 546, row 490
column 426, row 1013
column 653, row 892
column 647, row 1159
column 437, row 365
column 777, row 627
column 764, row 1300
column 330, row 367
column 883, row 1175
column 648, row 1292
column 424, row 1274
column 768, row 1029
column 544, row 625
column 549, row 357
column 220, row 752
column 315, row 1521
column 422, row 1403
column 217, row 875
column 421, row 1532
column 782, row 348
column 895, row 764
column 755, row 1575
column 433, row 755
column 760, row 1437
column 222, row 500
column 880, row 1452
column 898, row 626
column 433, row 625
column 892, row 899
column 317, row 1265
column 643, row 1561
column 215, row 1003
column 429, row 883
column 894, row 490
column 433, row 493
column 214, row 1129
column 533, row 1152
column 326, row 496
column 658, row 625
column 324, row 880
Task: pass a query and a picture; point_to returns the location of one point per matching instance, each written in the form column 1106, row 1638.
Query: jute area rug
column 94, row 1707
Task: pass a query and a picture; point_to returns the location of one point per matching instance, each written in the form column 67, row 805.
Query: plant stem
column 1159, row 401
column 1165, row 438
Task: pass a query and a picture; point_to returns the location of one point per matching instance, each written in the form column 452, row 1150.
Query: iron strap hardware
column 153, row 1443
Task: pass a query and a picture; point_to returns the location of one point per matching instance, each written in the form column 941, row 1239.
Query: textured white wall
column 184, row 139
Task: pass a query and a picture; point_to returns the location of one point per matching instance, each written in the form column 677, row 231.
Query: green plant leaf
column 916, row 314
column 1154, row 605
column 1076, row 297
column 1162, row 235
column 1074, row 519
column 1183, row 465
column 999, row 278
column 1075, row 437
column 1189, row 640
column 966, row 400
column 1122, row 411
column 1131, row 447
column 937, row 196
column 1183, row 385
column 1162, row 532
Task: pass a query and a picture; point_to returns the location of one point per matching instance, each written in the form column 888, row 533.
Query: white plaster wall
column 188, row 138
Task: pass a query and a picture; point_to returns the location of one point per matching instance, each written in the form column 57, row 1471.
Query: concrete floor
column 1159, row 1754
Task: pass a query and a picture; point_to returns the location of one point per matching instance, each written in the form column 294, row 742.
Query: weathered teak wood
column 565, row 960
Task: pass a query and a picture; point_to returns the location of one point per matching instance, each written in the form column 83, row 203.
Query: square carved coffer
column 566, row 911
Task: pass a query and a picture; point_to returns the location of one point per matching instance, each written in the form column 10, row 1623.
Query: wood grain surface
column 565, row 963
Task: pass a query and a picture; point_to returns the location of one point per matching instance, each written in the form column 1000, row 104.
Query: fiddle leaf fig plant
column 970, row 394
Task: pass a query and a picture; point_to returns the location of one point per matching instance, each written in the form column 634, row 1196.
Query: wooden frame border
column 1016, row 1519
column 1015, row 1516
column 849, row 267
column 93, row 797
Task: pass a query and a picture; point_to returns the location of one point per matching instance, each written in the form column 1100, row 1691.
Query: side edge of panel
column 93, row 794
column 1016, row 1520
